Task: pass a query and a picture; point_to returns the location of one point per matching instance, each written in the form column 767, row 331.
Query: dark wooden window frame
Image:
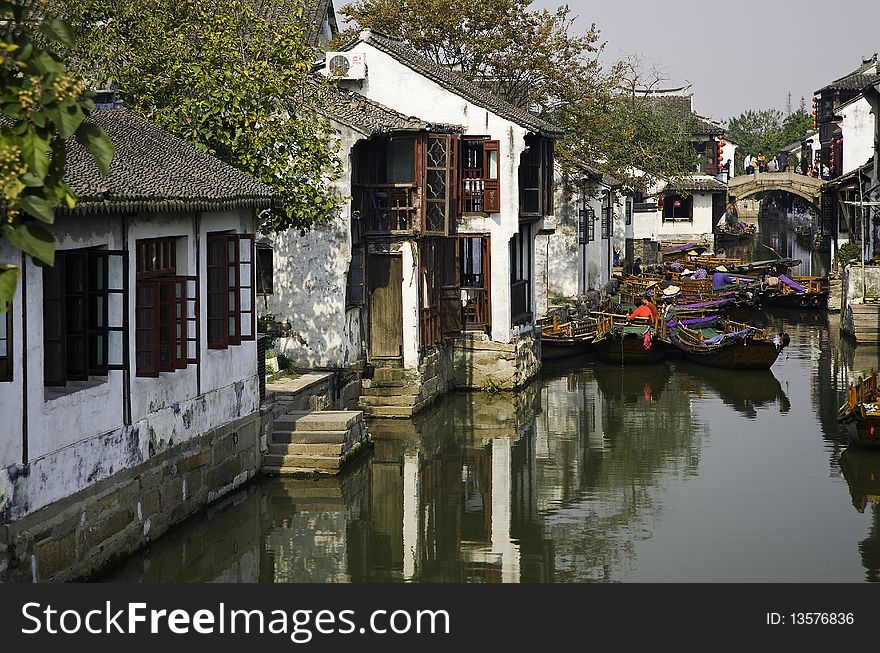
column 538, row 156
column 166, row 310
column 449, row 168
column 77, row 294
column 265, row 269
column 480, row 175
column 682, row 213
column 6, row 345
column 231, row 277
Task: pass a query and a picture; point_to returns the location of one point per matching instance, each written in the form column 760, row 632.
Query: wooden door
column 385, row 278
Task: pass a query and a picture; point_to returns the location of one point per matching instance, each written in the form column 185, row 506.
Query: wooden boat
column 798, row 292
column 635, row 342
column 737, row 346
column 574, row 337
column 861, row 412
column 670, row 251
column 736, row 233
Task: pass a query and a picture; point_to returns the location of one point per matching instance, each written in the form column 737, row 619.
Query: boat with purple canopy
column 797, row 292
column 733, row 346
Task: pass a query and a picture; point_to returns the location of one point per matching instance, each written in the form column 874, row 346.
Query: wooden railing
column 387, row 208
column 475, row 312
column 863, row 390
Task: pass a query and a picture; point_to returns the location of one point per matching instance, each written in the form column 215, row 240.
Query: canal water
column 594, row 473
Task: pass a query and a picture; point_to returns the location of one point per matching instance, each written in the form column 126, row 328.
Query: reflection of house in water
column 861, row 469
column 597, row 463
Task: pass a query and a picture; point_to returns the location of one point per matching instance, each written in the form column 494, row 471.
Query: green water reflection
column 593, row 473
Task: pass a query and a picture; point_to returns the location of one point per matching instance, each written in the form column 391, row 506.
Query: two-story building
column 449, row 187
column 128, row 370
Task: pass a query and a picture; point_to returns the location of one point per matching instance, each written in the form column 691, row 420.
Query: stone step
column 322, row 420
column 308, row 463
column 306, row 449
column 308, row 437
column 389, row 374
column 388, row 411
column 389, row 390
column 388, row 400
column 277, row 470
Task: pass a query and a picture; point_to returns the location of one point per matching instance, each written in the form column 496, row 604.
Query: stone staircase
column 391, row 393
column 315, row 442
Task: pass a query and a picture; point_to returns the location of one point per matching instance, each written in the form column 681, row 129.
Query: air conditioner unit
column 345, row 65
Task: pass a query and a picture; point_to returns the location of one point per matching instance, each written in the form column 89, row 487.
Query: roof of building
column 155, row 171
column 857, row 79
column 313, row 15
column 370, row 118
column 677, row 106
column 454, row 82
column 699, row 183
column 852, row 175
column 602, row 177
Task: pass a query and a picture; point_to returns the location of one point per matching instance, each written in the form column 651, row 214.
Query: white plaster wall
column 11, row 393
column 79, row 438
column 858, row 134
column 393, row 84
column 560, row 275
column 698, row 228
column 57, row 423
column 410, row 297
column 310, row 282
column 728, row 153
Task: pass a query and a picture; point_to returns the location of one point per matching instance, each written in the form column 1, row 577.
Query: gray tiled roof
column 697, row 183
column 314, row 13
column 678, row 110
column 454, row 82
column 855, row 80
column 155, row 171
column 370, row 117
column 596, row 174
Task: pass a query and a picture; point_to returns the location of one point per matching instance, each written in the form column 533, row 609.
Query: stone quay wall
column 481, row 363
column 76, row 537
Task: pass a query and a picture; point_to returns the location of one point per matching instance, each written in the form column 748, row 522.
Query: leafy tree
column 535, row 58
column 767, row 131
column 222, row 76
column 42, row 106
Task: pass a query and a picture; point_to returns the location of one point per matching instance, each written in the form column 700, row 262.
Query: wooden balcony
column 387, row 208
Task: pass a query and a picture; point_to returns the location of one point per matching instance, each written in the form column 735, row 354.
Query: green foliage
column 847, row 252
column 536, row 59
column 218, row 75
column 43, row 105
column 766, row 131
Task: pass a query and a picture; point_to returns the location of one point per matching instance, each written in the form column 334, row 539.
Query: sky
column 738, row 54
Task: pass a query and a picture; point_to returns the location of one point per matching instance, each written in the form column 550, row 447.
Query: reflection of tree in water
column 606, row 439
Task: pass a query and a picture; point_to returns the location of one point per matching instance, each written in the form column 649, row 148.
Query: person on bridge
column 783, row 161
column 747, row 165
column 773, row 165
column 762, row 162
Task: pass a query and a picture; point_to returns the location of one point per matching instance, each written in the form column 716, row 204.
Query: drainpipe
column 24, row 361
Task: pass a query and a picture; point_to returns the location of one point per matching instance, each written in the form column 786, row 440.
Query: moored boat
column 630, row 342
column 574, row 337
column 861, row 412
column 798, row 292
column 736, row 346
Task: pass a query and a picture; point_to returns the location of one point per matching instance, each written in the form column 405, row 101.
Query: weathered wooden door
column 385, row 277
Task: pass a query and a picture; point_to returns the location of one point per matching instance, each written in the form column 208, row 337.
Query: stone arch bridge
column 745, row 186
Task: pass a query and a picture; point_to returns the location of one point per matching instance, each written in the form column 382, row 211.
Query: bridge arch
column 745, row 186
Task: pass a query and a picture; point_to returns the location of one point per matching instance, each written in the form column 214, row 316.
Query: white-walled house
column 447, row 220
column 130, row 367
column 857, row 128
column 590, row 223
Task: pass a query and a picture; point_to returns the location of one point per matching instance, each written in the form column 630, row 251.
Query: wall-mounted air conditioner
column 345, row 65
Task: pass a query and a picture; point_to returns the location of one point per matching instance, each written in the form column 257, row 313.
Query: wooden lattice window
column 231, row 317
column 481, row 184
column 83, row 312
column 166, row 310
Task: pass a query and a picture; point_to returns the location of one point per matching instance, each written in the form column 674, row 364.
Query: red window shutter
column 246, row 283
column 491, row 177
column 233, row 272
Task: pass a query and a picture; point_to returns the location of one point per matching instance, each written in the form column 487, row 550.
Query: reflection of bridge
column 744, row 186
